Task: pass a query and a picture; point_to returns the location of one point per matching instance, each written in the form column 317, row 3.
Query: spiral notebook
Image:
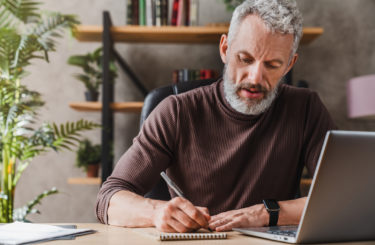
column 199, row 235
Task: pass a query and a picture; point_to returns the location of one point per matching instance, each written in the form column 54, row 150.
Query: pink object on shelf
column 361, row 97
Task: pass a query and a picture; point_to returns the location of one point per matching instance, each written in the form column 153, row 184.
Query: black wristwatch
column 273, row 209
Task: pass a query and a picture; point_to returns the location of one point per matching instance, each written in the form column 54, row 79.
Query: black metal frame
column 109, row 53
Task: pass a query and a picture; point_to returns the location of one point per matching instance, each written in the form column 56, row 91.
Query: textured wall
column 345, row 50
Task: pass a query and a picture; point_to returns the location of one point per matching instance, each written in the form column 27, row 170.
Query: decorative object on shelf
column 232, row 4
column 88, row 157
column 185, row 74
column 91, row 64
column 360, row 97
column 26, row 34
column 157, row 12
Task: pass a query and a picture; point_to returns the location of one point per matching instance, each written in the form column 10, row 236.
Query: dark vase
column 91, row 95
column 93, row 170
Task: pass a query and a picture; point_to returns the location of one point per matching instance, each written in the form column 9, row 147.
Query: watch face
column 271, row 204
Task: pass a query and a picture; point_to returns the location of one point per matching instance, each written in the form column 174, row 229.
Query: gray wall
column 345, row 50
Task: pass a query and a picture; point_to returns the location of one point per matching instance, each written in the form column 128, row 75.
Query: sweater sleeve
column 318, row 122
column 152, row 152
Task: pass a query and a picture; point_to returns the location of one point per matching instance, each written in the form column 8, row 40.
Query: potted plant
column 25, row 35
column 91, row 65
column 88, row 157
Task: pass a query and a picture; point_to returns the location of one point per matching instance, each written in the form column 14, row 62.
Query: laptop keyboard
column 291, row 233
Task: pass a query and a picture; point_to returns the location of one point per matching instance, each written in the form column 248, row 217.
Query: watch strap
column 274, row 217
column 273, row 209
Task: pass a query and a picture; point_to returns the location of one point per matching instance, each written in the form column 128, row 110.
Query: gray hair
column 280, row 16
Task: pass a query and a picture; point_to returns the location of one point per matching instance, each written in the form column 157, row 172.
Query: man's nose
column 256, row 73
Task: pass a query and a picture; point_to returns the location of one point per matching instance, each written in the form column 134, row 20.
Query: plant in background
column 25, row 34
column 88, row 157
column 91, row 64
column 232, row 4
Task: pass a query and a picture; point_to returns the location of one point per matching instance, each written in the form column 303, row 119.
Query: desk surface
column 116, row 235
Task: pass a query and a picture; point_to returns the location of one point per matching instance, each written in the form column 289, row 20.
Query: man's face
column 255, row 62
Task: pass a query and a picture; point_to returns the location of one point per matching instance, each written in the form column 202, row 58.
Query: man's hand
column 252, row 216
column 180, row 215
column 257, row 215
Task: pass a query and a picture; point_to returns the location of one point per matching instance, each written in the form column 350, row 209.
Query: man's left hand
column 252, row 216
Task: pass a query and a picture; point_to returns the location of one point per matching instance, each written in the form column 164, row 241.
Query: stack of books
column 184, row 75
column 157, row 13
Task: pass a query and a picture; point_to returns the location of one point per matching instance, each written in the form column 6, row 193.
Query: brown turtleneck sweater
column 220, row 158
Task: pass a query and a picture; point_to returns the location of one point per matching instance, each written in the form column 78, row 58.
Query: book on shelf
column 129, row 12
column 135, row 12
column 149, row 13
column 142, row 12
column 181, row 13
column 157, row 12
column 186, row 20
column 185, row 74
column 153, row 12
column 162, row 12
column 193, row 18
column 174, row 12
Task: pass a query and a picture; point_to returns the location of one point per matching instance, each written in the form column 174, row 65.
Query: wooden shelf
column 170, row 34
column 135, row 106
column 310, row 34
column 84, row 181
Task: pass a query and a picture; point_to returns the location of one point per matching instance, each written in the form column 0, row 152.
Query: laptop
column 341, row 202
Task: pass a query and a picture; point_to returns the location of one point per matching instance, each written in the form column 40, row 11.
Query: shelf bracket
column 126, row 68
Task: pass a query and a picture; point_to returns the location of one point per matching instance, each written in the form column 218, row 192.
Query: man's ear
column 223, row 48
column 292, row 62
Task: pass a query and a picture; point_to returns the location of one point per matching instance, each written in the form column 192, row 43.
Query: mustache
column 248, row 86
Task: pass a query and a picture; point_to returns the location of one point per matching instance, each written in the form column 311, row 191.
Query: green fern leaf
column 15, row 11
column 56, row 130
column 62, row 130
column 21, row 213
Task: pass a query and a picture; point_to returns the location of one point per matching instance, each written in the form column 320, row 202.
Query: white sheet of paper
column 19, row 233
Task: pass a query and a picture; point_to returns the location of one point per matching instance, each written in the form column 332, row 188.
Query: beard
column 248, row 106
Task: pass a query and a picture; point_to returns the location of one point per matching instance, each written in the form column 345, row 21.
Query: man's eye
column 246, row 60
column 271, row 66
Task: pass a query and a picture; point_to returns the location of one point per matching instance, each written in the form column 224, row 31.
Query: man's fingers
column 180, row 215
column 221, row 216
column 178, row 226
column 218, row 223
column 190, row 210
column 185, row 220
column 166, row 228
column 215, row 218
column 205, row 212
column 227, row 226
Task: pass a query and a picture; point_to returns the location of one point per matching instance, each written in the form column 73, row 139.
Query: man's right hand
column 180, row 215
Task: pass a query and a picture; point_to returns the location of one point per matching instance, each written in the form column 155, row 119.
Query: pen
column 171, row 184
column 176, row 189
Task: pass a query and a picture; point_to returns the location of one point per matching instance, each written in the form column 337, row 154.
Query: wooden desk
column 111, row 235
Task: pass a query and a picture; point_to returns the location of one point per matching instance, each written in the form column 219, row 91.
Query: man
column 229, row 145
